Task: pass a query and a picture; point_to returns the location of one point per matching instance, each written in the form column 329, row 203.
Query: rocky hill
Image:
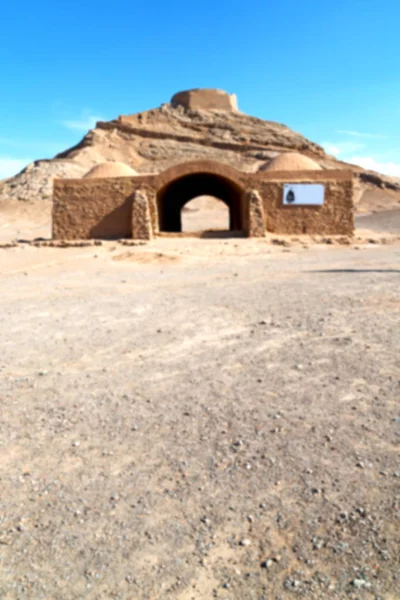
column 195, row 124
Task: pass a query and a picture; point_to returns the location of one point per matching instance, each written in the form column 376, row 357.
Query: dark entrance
column 173, row 197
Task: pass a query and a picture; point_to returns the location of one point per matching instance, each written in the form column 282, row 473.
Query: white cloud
column 83, row 124
column 12, row 166
column 331, row 148
column 375, row 136
column 348, row 151
column 369, row 163
column 337, row 148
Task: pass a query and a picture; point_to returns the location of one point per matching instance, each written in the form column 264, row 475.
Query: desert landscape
column 203, row 415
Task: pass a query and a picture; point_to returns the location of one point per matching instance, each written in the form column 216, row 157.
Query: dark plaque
column 290, row 197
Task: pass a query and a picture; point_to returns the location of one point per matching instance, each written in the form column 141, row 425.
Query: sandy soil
column 386, row 221
column 205, row 212
column 376, row 200
column 198, row 419
column 24, row 220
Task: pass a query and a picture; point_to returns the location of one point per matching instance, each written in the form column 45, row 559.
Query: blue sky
column 330, row 70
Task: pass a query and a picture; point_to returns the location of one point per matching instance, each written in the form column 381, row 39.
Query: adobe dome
column 291, row 161
column 110, row 169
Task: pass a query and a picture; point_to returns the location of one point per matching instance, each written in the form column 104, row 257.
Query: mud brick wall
column 105, row 208
column 334, row 217
column 94, row 208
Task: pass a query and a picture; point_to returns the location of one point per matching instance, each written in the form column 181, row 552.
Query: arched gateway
column 178, row 185
column 141, row 206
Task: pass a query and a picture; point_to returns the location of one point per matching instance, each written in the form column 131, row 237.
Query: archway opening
column 205, row 213
column 173, row 197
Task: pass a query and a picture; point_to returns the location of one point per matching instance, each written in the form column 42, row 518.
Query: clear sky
column 330, row 70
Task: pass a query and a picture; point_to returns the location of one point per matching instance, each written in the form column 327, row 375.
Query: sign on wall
column 303, row 193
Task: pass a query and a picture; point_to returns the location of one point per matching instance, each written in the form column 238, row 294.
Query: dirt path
column 199, row 419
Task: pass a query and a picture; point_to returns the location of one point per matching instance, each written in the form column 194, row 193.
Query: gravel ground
column 200, row 419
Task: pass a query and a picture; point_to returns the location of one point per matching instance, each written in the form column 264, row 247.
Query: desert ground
column 200, row 418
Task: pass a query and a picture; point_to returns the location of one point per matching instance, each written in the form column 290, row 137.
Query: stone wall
column 203, row 99
column 109, row 208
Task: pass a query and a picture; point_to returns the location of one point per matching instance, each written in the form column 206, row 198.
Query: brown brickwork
column 142, row 228
column 94, row 208
column 256, row 221
column 103, row 208
column 205, row 99
column 335, row 216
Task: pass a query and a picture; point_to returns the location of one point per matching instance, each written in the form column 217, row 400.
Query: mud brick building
column 290, row 194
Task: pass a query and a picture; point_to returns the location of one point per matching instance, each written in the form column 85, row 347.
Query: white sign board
column 303, row 193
